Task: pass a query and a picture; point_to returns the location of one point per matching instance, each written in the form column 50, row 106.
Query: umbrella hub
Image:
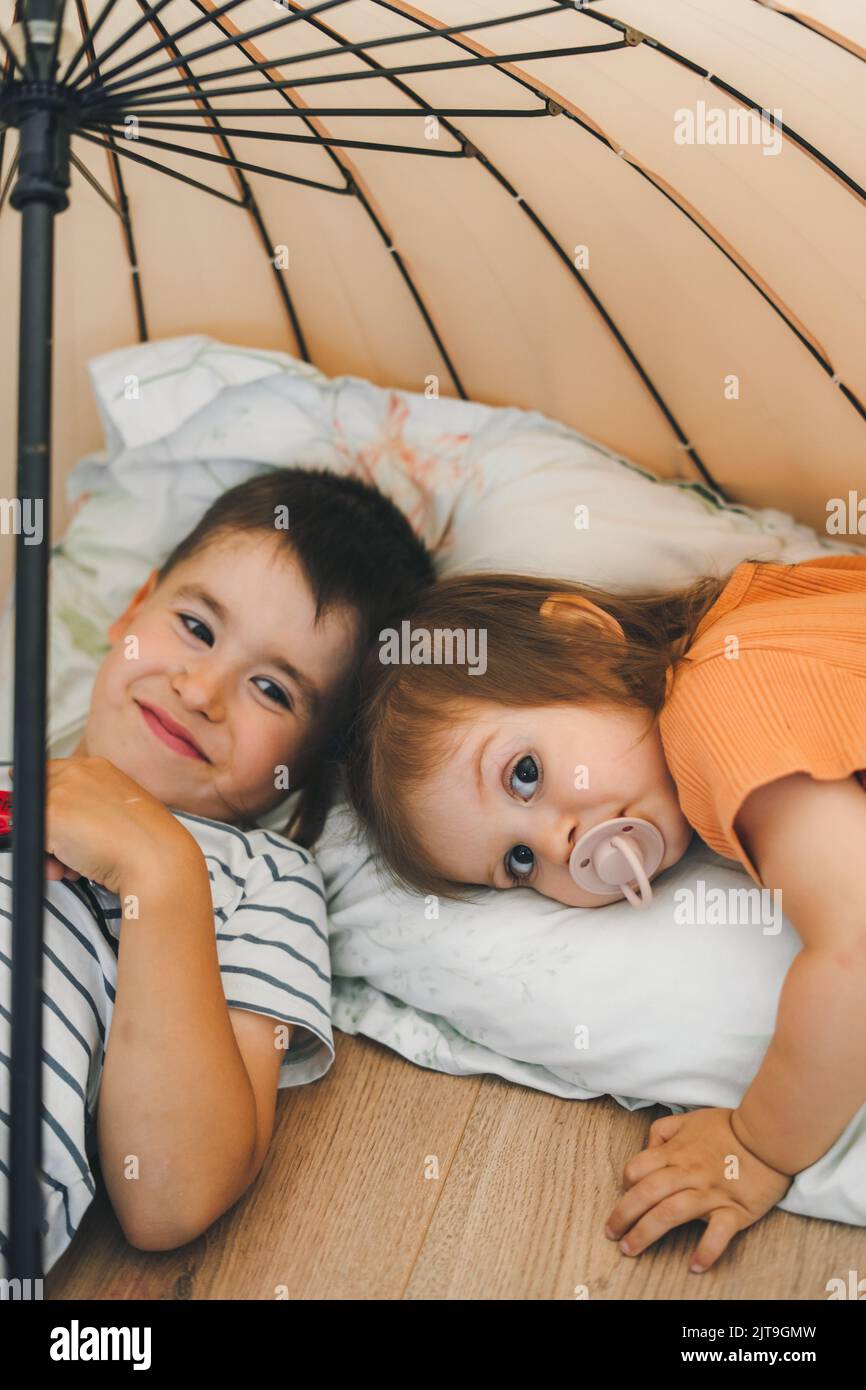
column 44, row 114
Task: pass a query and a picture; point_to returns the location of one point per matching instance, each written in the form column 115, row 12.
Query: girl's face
column 226, row 648
column 539, row 779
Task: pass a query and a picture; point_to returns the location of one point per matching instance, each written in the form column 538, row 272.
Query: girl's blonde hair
column 408, row 714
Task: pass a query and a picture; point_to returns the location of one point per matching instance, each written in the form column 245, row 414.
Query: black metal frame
column 48, row 107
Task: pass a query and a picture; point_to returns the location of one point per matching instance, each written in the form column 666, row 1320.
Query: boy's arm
column 808, row 838
column 182, row 1128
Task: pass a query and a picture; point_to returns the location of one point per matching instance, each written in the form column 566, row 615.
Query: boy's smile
column 215, row 680
column 169, row 732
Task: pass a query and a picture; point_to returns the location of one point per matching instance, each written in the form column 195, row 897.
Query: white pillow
column 574, row 1001
column 499, row 988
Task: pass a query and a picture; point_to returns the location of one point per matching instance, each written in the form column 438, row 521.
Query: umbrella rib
column 353, row 187
column 786, row 316
column 165, row 88
column 831, row 35
column 688, row 447
column 822, row 160
column 139, row 57
column 162, row 168
column 227, row 161
column 13, row 166
column 538, row 222
column 379, row 72
column 298, row 113
column 152, row 11
column 209, row 17
column 292, row 58
column 838, row 40
column 707, row 231
column 321, row 140
column 11, row 56
column 94, row 183
column 720, row 82
column 55, row 42
column 236, row 169
column 121, row 205
column 85, row 39
column 8, row 68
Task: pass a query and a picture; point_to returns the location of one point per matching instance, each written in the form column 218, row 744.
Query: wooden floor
column 388, row 1181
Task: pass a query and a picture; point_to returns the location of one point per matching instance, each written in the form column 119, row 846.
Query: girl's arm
column 808, row 838
column 180, row 1132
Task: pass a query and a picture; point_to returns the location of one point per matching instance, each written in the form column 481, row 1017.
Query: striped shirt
column 271, row 937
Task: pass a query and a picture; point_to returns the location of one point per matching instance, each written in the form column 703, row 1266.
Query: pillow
column 647, row 1006
column 501, row 989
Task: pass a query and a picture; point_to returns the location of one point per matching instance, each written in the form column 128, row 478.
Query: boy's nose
column 201, row 687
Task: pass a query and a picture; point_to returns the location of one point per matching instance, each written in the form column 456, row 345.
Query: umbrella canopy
column 572, row 207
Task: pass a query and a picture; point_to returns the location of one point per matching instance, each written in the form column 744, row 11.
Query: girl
column 735, row 707
column 185, row 957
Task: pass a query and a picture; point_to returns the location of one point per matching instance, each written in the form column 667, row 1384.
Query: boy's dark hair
column 356, row 549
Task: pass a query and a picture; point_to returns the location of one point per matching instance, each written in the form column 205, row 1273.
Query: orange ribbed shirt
column 773, row 682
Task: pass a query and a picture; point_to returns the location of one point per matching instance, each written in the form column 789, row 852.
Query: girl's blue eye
column 519, row 863
column 279, row 699
column 526, row 775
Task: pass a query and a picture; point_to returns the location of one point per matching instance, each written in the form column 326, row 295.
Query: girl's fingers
column 644, row 1195
column 721, row 1229
column 687, row 1205
column 643, row 1164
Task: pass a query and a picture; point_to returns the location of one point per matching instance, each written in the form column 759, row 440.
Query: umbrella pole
column 38, row 194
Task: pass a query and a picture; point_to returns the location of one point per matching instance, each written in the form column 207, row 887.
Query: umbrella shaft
column 39, row 194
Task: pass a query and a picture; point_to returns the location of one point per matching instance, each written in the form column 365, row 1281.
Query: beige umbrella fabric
column 627, row 247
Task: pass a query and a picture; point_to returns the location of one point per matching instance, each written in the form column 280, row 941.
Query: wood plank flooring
column 388, row 1181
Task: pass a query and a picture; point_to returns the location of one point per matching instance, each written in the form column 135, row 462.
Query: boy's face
column 540, row 778
column 222, row 678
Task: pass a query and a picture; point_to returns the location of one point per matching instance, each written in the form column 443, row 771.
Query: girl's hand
column 101, row 824
column 694, row 1168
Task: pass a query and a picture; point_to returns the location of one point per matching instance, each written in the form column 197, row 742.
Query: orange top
column 773, row 682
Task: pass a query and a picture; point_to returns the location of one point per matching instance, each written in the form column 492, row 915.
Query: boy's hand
column 694, row 1168
column 102, row 824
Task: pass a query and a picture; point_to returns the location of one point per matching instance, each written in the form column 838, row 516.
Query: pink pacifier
column 615, row 854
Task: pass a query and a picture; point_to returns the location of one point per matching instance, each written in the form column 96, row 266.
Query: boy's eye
column 279, row 696
column 524, row 777
column 519, row 863
column 197, row 622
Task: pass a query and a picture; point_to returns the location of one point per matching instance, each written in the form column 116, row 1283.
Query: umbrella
column 643, row 218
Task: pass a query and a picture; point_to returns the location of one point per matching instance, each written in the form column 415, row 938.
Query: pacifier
column 616, row 854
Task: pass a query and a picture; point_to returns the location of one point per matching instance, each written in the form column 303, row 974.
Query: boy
column 229, row 675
